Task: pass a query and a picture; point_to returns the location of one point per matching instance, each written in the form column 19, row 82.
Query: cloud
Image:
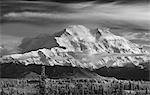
column 89, row 10
column 137, row 36
column 141, row 38
column 9, row 42
column 129, row 20
column 147, row 47
column 109, row 14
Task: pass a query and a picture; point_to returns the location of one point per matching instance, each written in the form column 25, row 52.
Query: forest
column 78, row 86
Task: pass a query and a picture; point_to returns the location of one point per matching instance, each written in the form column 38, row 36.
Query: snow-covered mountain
column 81, row 47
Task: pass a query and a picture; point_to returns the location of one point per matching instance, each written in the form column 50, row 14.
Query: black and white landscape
column 75, row 47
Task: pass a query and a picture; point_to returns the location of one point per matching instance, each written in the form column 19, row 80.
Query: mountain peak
column 80, row 32
column 84, row 33
column 104, row 30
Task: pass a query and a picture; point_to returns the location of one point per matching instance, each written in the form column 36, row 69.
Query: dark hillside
column 131, row 73
column 12, row 70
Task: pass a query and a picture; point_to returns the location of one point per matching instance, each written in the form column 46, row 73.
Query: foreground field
column 79, row 86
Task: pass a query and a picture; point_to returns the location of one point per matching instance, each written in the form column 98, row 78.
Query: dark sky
column 77, row 1
column 103, row 1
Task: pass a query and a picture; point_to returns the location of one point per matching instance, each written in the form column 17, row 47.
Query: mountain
column 79, row 46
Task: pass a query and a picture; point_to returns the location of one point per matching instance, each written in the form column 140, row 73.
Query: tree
column 43, row 75
column 120, row 89
column 2, row 92
column 42, row 82
column 146, row 92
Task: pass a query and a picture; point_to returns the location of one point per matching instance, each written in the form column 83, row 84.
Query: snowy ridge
column 85, row 48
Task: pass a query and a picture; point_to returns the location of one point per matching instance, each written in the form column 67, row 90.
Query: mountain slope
column 81, row 47
column 124, row 73
column 40, row 41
